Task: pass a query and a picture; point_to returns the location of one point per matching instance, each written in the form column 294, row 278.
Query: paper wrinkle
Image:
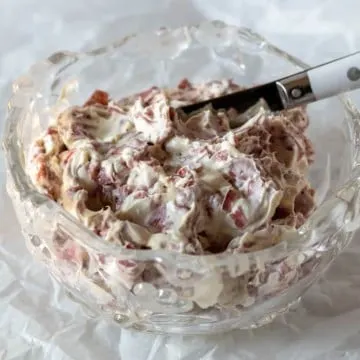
column 38, row 321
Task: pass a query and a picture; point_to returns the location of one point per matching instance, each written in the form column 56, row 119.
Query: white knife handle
column 321, row 82
column 335, row 77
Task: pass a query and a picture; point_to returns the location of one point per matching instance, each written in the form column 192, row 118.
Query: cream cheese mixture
column 142, row 175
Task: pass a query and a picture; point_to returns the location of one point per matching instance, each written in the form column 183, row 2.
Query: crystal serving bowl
column 165, row 291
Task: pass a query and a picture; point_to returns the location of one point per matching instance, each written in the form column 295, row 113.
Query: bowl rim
column 23, row 91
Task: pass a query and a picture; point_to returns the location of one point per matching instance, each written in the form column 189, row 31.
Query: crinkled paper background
column 37, row 319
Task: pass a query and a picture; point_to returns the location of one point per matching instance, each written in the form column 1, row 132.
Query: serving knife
column 316, row 83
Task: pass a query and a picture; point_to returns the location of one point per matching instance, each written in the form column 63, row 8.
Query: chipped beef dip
column 142, row 175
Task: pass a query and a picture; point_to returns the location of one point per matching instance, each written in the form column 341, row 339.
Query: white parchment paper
column 38, row 321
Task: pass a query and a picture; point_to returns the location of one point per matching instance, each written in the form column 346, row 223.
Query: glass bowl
column 164, row 291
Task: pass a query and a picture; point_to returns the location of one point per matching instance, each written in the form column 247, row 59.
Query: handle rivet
column 353, row 74
column 296, row 93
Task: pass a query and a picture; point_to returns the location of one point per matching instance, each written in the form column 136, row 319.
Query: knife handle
column 320, row 82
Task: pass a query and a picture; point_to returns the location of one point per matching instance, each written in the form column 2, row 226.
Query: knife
column 316, row 83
